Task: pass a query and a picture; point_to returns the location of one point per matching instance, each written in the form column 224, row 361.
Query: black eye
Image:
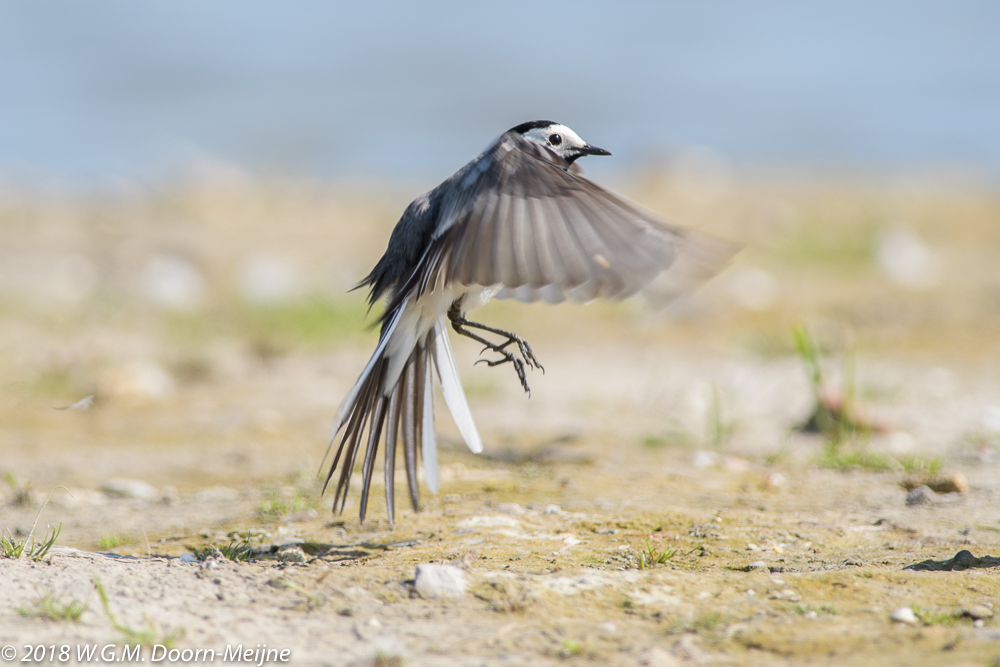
column 555, row 139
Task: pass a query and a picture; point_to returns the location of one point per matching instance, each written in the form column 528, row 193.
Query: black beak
column 593, row 150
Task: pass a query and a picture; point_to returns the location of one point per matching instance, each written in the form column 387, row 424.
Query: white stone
column 130, row 488
column 904, row 615
column 435, row 580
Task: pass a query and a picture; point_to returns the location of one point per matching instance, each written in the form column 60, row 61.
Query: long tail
column 398, row 396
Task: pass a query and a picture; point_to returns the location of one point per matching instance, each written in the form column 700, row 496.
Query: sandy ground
column 649, row 436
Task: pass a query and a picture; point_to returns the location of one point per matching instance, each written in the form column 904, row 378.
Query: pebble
column 188, row 558
column 553, row 509
column 130, row 488
column 954, row 483
column 978, row 612
column 758, row 565
column 608, row 628
column 786, row 594
column 904, row 615
column 292, row 554
column 922, row 495
column 434, row 580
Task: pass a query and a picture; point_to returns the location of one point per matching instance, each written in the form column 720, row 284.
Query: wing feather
column 543, row 232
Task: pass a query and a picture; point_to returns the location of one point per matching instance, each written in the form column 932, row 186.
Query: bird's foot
column 527, row 358
column 505, row 358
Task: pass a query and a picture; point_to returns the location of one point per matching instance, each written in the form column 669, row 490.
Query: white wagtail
column 515, row 222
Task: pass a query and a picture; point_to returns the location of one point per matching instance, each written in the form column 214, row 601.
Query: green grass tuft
column 239, row 550
column 50, row 608
column 651, row 557
column 853, row 458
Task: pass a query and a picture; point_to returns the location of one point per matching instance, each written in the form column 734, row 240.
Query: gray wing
column 544, row 233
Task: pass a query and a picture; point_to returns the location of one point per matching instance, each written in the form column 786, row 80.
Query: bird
column 518, row 221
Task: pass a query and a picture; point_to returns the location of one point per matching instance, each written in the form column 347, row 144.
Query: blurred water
column 108, row 88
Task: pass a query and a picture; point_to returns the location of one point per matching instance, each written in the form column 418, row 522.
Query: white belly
column 420, row 316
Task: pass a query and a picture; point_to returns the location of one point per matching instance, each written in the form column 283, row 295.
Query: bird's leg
column 460, row 324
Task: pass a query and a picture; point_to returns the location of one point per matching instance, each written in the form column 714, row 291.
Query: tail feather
column 374, row 433
column 420, row 423
column 451, row 387
column 428, row 441
column 350, row 402
column 353, row 433
column 390, row 454
column 395, row 394
column 410, row 433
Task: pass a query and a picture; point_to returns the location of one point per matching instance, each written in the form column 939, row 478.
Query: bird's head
column 557, row 138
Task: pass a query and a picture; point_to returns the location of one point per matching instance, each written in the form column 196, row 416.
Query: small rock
column 786, row 594
column 435, row 580
column 978, row 612
column 955, row 483
column 292, row 554
column 130, row 488
column 904, row 615
column 608, row 628
column 922, row 495
column 188, row 558
column 758, row 565
column 553, row 509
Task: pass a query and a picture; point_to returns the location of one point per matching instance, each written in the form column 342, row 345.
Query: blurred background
column 188, row 190
column 114, row 90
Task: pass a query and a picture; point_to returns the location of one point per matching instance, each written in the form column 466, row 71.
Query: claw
column 527, row 354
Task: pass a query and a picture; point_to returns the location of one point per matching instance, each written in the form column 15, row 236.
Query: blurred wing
column 548, row 234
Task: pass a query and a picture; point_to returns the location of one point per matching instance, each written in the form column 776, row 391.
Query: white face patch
column 568, row 143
